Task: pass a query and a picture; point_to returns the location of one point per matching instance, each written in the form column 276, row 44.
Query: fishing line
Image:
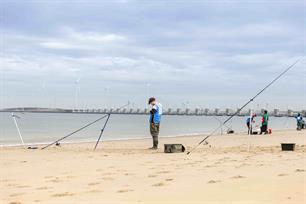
column 260, row 92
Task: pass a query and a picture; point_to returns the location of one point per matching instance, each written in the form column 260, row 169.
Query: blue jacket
column 155, row 113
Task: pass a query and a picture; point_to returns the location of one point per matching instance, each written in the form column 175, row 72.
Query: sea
column 42, row 128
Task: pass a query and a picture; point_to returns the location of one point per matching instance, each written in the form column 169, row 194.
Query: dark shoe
column 153, row 148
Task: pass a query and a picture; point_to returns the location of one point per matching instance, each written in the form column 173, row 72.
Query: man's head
column 152, row 101
column 265, row 111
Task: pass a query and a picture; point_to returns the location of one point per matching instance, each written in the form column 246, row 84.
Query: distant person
column 300, row 122
column 249, row 122
column 155, row 116
column 264, row 123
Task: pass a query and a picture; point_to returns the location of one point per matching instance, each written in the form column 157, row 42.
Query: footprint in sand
column 163, row 172
column 95, row 191
column 213, row 181
column 158, row 184
column 169, row 179
column 23, row 186
column 56, row 180
column 15, row 202
column 11, row 184
column 44, row 188
column 93, row 184
column 62, row 194
column 152, row 175
column 282, row 175
column 70, row 176
column 238, row 177
column 299, row 170
column 107, row 178
column 124, row 190
column 16, row 194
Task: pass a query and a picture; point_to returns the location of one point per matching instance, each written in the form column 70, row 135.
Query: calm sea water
column 43, row 128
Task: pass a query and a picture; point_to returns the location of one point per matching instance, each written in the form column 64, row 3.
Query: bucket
column 173, row 148
column 288, row 146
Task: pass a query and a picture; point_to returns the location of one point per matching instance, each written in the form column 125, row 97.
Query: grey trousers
column 154, row 130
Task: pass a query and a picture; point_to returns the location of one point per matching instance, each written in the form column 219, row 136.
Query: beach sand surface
column 230, row 169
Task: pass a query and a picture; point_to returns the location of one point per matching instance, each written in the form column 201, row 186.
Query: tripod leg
column 102, row 130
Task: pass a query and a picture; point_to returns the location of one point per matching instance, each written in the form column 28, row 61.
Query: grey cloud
column 201, row 51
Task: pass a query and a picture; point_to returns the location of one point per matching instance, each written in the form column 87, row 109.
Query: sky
column 96, row 54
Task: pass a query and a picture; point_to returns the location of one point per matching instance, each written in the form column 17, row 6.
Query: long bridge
column 168, row 111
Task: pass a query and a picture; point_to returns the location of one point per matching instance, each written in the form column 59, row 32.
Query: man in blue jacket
column 155, row 117
column 300, row 122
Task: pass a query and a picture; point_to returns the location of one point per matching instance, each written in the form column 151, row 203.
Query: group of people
column 264, row 123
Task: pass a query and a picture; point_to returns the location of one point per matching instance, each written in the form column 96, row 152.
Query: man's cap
column 151, row 100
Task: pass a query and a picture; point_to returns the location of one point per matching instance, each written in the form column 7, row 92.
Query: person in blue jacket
column 300, row 122
column 249, row 122
column 155, row 118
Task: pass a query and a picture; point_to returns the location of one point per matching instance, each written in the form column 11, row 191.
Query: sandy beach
column 230, row 169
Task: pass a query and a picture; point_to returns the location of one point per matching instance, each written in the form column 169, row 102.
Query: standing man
column 300, row 122
column 155, row 116
column 249, row 122
column 264, row 123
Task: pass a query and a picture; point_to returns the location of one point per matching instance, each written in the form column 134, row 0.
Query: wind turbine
column 77, row 92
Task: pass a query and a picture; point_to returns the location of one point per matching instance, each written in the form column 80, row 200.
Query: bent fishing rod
column 238, row 111
column 89, row 124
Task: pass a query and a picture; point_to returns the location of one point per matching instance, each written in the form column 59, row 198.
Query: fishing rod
column 17, row 127
column 238, row 111
column 89, row 124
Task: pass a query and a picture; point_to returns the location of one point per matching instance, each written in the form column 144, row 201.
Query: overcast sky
column 199, row 53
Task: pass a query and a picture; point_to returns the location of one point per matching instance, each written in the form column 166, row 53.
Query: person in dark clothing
column 264, row 123
column 300, row 122
column 155, row 117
